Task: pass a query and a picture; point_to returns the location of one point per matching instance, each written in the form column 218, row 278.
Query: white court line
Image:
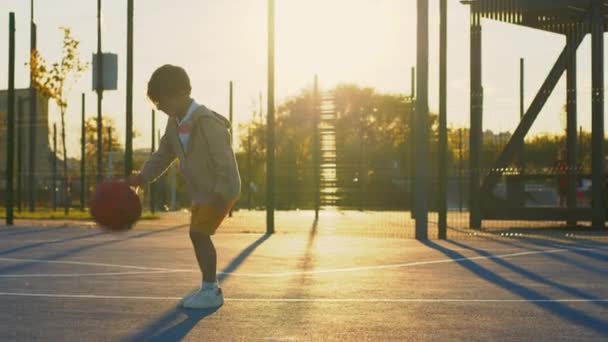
column 276, row 274
column 409, row 264
column 44, row 261
column 76, row 275
column 313, row 300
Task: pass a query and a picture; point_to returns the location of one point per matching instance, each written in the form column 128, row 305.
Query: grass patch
column 75, row 214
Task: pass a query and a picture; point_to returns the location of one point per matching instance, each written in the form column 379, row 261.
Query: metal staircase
column 328, row 178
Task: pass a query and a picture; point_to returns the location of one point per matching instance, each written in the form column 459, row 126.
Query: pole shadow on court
column 566, row 244
column 538, row 299
column 531, row 275
column 76, row 250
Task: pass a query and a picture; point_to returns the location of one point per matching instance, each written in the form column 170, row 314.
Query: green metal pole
column 598, row 177
column 129, row 100
column 249, row 165
column 54, row 165
column 475, row 132
column 110, row 161
column 152, row 192
column 421, row 133
column 571, row 141
column 413, row 82
column 443, row 130
column 270, row 149
column 230, row 109
column 32, row 183
column 10, row 128
column 316, row 150
column 83, row 185
column 522, row 110
column 19, row 132
column 412, row 147
column 521, row 88
column 460, row 167
column 99, row 89
column 361, row 166
column 230, row 115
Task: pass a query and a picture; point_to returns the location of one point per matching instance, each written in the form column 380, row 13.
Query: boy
column 200, row 139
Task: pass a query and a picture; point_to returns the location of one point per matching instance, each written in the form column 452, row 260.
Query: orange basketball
column 115, row 206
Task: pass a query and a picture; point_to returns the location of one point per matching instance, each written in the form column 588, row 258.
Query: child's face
column 169, row 105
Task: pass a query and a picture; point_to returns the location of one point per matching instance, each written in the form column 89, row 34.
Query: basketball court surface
column 320, row 283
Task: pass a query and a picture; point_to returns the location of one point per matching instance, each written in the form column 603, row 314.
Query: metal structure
column 315, row 145
column 421, row 134
column 129, row 99
column 83, row 143
column 19, row 123
column 574, row 19
column 99, row 89
column 443, row 120
column 10, row 148
column 231, row 119
column 54, row 163
column 325, row 150
column 270, row 149
column 32, row 188
column 152, row 149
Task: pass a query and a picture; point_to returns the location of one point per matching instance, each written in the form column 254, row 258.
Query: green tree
column 372, row 137
column 109, row 143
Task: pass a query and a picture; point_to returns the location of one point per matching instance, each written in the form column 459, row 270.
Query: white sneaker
column 204, row 299
column 189, row 295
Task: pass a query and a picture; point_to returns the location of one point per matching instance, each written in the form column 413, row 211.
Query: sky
column 370, row 43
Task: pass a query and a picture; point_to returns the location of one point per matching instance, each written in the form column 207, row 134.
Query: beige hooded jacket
column 208, row 165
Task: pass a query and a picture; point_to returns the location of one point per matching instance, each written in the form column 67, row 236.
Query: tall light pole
column 10, row 125
column 421, row 132
column 129, row 110
column 54, row 165
column 230, row 115
column 99, row 89
column 152, row 149
column 316, row 153
column 19, row 132
column 521, row 107
column 270, row 125
column 33, row 120
column 83, row 142
column 443, row 130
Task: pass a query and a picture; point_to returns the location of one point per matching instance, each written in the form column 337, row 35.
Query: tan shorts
column 206, row 219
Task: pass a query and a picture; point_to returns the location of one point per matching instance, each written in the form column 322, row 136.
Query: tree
column 55, row 82
column 379, row 123
column 110, row 144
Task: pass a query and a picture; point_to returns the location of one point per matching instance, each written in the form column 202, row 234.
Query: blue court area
column 314, row 284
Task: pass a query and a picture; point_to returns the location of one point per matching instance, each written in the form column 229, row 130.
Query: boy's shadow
column 165, row 327
column 165, row 330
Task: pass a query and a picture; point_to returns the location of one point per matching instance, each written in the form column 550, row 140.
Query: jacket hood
column 206, row 112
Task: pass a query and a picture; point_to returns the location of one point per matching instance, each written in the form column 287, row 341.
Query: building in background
column 43, row 152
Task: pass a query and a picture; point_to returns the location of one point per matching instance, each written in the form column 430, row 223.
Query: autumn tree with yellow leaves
column 54, row 81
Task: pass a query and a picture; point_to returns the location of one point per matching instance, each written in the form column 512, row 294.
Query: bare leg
column 205, row 255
